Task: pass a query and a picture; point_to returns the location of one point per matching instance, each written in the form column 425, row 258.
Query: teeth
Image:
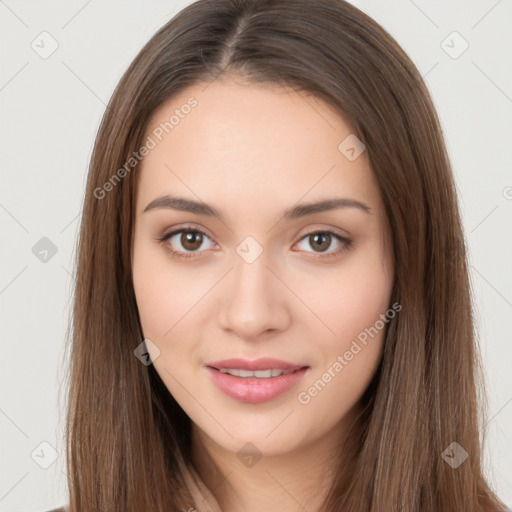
column 260, row 374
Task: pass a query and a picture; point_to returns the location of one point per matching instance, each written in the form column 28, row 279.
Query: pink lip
column 258, row 364
column 253, row 389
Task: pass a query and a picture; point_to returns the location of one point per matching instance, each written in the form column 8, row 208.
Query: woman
column 272, row 307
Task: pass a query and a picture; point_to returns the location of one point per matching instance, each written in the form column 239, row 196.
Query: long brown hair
column 128, row 441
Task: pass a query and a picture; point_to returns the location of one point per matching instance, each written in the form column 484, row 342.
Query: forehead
column 233, row 116
column 259, row 142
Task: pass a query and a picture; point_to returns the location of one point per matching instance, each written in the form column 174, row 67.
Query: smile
column 260, row 374
column 255, row 386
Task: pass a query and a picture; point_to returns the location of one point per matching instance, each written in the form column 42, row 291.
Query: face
column 255, row 274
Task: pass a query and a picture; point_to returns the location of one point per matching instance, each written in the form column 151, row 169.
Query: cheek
column 350, row 298
column 160, row 292
column 364, row 296
column 356, row 306
column 354, row 303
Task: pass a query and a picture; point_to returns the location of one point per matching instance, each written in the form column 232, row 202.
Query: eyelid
column 192, row 227
column 170, row 233
column 346, row 243
column 331, row 230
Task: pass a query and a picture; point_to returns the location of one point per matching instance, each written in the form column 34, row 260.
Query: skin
column 253, row 151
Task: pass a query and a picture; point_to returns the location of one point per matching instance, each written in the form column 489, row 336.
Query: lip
column 263, row 363
column 253, row 389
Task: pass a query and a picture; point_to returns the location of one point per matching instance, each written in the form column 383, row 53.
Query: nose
column 254, row 301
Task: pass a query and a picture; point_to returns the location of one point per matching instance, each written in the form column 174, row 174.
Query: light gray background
column 50, row 110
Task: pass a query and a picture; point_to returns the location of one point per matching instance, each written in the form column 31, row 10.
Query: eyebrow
column 188, row 205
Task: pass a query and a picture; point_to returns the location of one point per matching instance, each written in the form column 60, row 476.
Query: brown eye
column 184, row 242
column 321, row 242
column 191, row 240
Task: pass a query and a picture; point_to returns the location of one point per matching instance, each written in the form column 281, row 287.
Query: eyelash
column 346, row 243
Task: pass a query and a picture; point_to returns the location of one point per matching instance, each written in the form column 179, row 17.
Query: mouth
column 259, row 374
column 255, row 381
column 256, row 365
